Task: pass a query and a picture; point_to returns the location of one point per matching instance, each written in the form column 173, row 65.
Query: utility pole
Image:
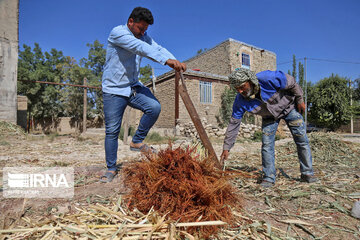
column 85, row 106
column 306, row 107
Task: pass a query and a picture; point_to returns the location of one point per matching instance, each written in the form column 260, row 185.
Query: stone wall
column 204, row 110
column 188, row 129
column 165, row 93
column 9, row 10
column 63, row 125
column 246, row 131
column 260, row 59
column 227, row 56
column 215, row 60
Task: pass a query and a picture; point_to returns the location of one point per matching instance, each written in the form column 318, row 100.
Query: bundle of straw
column 176, row 182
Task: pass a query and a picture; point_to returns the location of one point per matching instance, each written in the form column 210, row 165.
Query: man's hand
column 301, row 107
column 175, row 64
column 224, row 156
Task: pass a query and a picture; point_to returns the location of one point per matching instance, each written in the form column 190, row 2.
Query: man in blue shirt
column 127, row 44
column 274, row 96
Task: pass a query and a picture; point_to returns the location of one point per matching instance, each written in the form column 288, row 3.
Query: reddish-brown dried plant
column 177, row 183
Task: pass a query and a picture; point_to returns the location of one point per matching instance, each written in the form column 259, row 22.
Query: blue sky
column 322, row 29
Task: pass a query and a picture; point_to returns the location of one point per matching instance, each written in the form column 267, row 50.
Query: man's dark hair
column 140, row 13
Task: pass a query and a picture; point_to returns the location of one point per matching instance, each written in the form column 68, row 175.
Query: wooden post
column 197, row 122
column 85, row 106
column 177, row 115
column 126, row 125
column 153, row 79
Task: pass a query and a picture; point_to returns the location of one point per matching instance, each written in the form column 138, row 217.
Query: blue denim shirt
column 123, row 56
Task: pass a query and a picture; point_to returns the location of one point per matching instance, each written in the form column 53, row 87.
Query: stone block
column 355, row 211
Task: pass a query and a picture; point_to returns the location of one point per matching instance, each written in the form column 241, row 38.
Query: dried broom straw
column 183, row 186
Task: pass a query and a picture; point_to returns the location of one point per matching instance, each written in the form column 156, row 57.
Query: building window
column 245, row 60
column 205, row 92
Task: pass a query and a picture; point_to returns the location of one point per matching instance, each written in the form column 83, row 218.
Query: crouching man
column 274, row 96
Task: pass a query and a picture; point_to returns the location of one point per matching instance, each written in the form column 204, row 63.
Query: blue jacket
column 279, row 93
column 123, row 56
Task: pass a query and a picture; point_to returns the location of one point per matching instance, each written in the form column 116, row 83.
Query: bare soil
column 324, row 206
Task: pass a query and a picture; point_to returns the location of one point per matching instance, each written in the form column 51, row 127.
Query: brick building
column 207, row 83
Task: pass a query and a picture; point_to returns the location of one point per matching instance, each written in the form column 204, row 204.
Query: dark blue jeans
column 114, row 107
column 295, row 122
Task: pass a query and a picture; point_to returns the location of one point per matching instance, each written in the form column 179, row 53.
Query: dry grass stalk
column 178, row 183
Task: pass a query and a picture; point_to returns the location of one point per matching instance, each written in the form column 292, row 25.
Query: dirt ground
column 297, row 210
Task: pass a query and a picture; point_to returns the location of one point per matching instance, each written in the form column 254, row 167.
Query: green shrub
column 277, row 137
column 257, row 136
column 51, row 136
column 4, row 143
column 154, row 137
column 131, row 132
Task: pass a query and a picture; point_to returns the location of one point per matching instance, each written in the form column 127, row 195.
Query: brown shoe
column 308, row 178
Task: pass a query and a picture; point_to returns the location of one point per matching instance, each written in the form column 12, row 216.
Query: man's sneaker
column 266, row 184
column 308, row 178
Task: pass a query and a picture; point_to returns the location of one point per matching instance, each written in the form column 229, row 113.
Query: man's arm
column 129, row 42
column 171, row 62
column 231, row 133
column 160, row 48
column 230, row 137
column 296, row 90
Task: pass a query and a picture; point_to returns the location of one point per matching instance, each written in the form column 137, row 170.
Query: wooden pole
column 153, row 79
column 85, row 106
column 62, row 84
column 177, row 77
column 126, row 125
column 197, row 122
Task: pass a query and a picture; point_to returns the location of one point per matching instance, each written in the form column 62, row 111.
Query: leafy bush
column 330, row 102
column 131, row 132
column 225, row 111
column 257, row 136
column 154, row 137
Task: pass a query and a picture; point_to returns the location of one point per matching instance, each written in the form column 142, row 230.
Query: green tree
column 301, row 75
column 96, row 58
column 294, row 74
column 73, row 97
column 34, row 65
column 330, row 102
column 145, row 74
column 225, row 111
column 95, row 63
column 356, row 96
column 202, row 50
column 356, row 87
